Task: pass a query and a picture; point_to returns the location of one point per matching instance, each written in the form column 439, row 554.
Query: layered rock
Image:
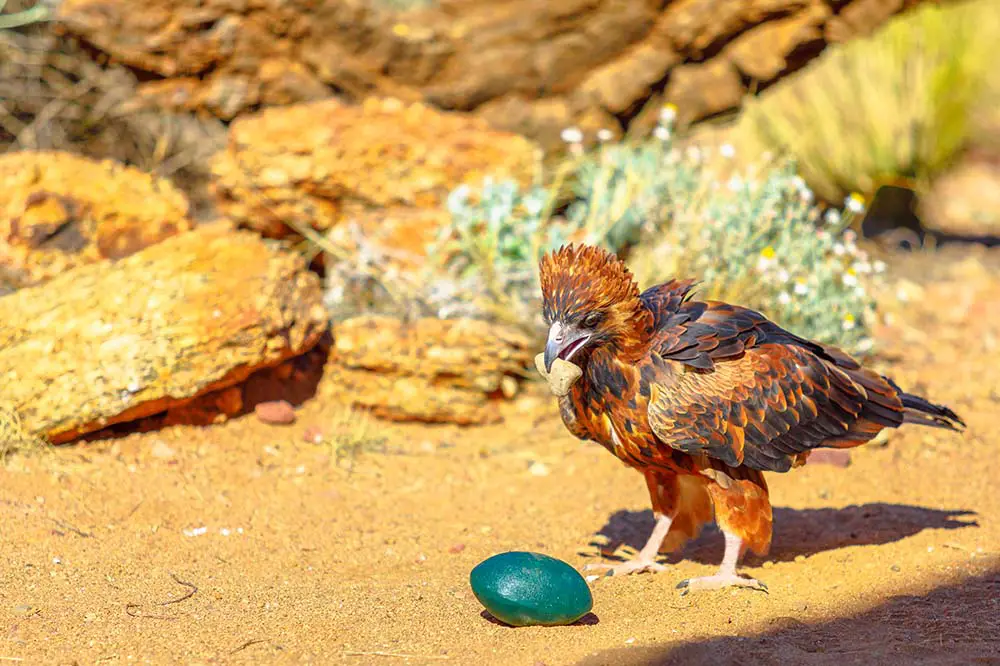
column 548, row 64
column 429, row 370
column 111, row 342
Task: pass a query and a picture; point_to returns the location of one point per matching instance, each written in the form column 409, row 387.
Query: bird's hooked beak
column 564, row 341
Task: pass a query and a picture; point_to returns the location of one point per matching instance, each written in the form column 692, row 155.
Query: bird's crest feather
column 577, row 279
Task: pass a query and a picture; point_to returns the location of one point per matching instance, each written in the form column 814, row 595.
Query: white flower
column 855, row 203
column 661, row 133
column 727, row 150
column 832, row 216
column 879, row 266
column 849, row 322
column 693, row 154
column 860, row 292
column 839, row 249
column 668, row 114
column 533, row 205
column 784, row 298
column 850, row 279
column 783, row 275
column 572, row 135
column 862, row 267
column 801, row 288
column 604, row 135
column 807, row 196
column 735, row 184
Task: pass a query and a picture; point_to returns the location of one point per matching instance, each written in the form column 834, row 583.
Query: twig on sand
column 135, row 610
column 253, row 641
column 69, row 527
column 401, row 655
column 192, row 589
column 11, row 659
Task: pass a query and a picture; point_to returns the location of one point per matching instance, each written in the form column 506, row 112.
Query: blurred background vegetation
column 764, row 204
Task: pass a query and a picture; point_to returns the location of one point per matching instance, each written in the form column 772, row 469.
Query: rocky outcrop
column 108, row 342
column 530, row 66
column 428, row 370
column 321, row 163
column 59, row 211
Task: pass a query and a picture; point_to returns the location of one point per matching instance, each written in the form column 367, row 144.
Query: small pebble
column 313, row 435
column 896, row 568
column 162, row 450
column 539, row 469
column 456, row 548
column 278, row 412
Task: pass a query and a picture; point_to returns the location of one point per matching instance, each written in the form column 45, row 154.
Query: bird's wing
column 727, row 382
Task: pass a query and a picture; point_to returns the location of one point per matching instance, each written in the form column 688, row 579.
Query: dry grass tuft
column 13, row 437
column 53, row 96
column 895, row 108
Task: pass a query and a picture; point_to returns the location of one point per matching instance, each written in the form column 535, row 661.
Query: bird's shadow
column 796, row 531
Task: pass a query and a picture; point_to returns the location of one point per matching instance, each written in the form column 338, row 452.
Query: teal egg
column 522, row 589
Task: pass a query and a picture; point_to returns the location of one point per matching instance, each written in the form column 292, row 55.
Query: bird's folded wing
column 728, row 383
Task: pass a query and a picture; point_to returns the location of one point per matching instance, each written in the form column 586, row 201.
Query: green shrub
column 759, row 241
column 492, row 247
column 753, row 237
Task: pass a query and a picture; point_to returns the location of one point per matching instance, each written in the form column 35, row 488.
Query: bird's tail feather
column 921, row 411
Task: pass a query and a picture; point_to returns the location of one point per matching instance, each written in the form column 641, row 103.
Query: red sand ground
column 244, row 544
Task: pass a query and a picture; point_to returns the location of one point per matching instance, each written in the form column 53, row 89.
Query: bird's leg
column 646, row 559
column 727, row 576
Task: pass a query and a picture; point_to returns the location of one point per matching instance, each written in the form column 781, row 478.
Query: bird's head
column 590, row 300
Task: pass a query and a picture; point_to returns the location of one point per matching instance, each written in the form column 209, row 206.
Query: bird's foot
column 718, row 582
column 634, row 566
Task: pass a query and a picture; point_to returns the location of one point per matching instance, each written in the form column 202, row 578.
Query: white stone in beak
column 564, row 374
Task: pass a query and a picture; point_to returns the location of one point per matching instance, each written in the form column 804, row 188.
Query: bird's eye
column 593, row 319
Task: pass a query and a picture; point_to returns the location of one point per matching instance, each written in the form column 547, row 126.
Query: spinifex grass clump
column 756, row 239
column 894, row 108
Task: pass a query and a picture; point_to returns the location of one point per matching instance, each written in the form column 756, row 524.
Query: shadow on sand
column 797, row 531
column 952, row 625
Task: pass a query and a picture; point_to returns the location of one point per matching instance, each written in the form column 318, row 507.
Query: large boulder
column 572, row 60
column 107, row 343
column 318, row 164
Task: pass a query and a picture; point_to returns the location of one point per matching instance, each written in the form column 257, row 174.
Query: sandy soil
column 244, row 544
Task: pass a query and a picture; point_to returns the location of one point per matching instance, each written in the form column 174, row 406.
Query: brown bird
column 702, row 397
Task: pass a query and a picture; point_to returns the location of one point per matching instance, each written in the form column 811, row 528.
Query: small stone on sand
column 277, row 412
